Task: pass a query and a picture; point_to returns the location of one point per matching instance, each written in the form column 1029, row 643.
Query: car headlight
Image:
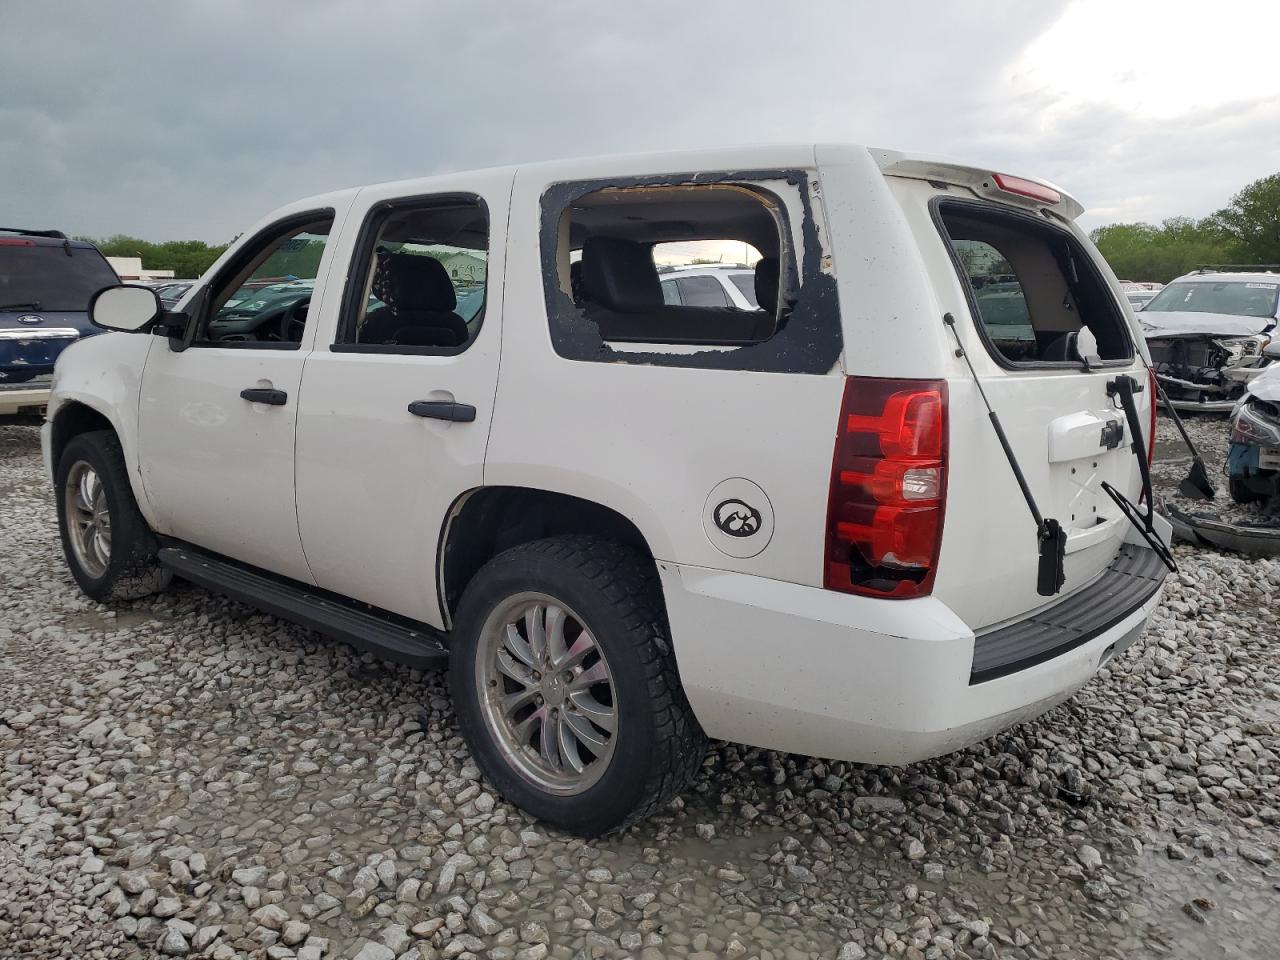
column 1251, row 426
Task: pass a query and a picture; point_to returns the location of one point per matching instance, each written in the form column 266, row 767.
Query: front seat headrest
column 766, row 284
column 619, row 274
column 417, row 282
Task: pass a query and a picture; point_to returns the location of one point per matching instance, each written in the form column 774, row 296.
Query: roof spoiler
column 981, row 180
column 51, row 234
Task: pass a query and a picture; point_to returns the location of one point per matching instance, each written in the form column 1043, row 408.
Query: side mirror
column 125, row 308
column 1272, row 350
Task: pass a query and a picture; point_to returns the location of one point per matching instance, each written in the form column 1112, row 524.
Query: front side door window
column 262, row 300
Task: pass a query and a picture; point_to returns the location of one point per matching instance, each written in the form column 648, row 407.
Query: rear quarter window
column 607, row 303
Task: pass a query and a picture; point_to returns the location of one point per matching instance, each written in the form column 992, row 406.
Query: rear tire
column 109, row 547
column 572, row 631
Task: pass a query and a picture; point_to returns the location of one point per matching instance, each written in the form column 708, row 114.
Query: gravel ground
column 1210, row 434
column 183, row 776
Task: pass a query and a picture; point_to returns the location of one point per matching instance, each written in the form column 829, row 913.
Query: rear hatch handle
column 1124, row 387
column 1051, row 539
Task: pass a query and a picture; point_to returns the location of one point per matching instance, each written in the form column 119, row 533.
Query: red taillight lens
column 1022, row 187
column 888, row 488
column 16, row 242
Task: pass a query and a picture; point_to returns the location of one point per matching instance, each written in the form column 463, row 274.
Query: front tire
column 109, row 547
column 565, row 684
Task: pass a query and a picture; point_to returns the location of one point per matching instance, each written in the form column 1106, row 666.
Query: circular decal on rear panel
column 738, row 518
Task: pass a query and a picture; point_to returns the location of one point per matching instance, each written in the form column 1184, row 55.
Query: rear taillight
column 888, row 488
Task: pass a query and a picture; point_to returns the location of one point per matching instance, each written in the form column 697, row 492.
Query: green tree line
column 186, row 258
column 1246, row 231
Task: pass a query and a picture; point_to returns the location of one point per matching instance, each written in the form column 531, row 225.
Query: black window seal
column 992, row 209
column 353, row 293
column 248, row 252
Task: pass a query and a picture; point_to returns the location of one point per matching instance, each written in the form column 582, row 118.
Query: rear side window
column 702, row 292
column 607, row 301
column 418, row 280
column 1032, row 287
column 746, row 286
column 54, row 277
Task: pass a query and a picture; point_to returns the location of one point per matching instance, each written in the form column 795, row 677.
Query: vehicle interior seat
column 624, row 297
column 766, row 284
column 419, row 303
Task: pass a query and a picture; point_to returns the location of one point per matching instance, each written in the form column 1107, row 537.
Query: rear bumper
column 804, row 670
column 1201, row 406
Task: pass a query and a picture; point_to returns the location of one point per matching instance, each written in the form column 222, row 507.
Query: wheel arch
column 485, row 521
column 71, row 419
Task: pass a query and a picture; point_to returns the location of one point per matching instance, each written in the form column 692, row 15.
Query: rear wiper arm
column 21, row 305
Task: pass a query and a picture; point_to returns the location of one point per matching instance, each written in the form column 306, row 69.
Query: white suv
column 710, row 286
column 629, row 524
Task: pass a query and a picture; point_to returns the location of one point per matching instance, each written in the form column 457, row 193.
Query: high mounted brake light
column 1022, row 187
column 16, row 242
column 888, row 488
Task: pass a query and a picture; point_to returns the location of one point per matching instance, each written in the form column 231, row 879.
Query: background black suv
column 46, row 281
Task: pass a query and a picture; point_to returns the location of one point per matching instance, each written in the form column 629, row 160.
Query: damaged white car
column 1253, row 460
column 1209, row 334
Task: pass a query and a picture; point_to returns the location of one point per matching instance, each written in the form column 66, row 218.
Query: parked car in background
column 630, row 524
column 170, row 293
column 710, row 286
column 1138, row 299
column 1207, row 333
column 46, row 281
column 1253, row 460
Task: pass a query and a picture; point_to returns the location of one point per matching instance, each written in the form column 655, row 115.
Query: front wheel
column 109, row 547
column 566, row 688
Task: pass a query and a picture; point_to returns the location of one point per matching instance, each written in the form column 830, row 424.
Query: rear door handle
column 275, row 398
column 443, row 410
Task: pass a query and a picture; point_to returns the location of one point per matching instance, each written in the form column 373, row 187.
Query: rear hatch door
column 1030, row 296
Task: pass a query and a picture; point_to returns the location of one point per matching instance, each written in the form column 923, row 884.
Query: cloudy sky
column 172, row 120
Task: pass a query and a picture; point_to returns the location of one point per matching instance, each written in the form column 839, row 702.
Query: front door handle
column 443, row 410
column 275, row 398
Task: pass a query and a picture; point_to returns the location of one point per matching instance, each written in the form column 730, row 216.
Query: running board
column 415, row 646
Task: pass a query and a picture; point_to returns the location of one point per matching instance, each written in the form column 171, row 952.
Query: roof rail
column 1237, row 268
column 53, row 234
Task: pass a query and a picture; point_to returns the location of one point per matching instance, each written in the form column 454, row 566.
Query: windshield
column 1234, row 297
column 57, row 277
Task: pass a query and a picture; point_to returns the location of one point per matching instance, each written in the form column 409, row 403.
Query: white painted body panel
column 219, row 470
column 104, row 374
column 766, row 655
column 793, row 668
column 987, row 565
column 374, row 482
column 653, row 441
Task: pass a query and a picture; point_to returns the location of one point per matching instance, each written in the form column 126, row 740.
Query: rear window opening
column 55, row 277
column 616, row 241
column 1032, row 288
column 608, row 245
